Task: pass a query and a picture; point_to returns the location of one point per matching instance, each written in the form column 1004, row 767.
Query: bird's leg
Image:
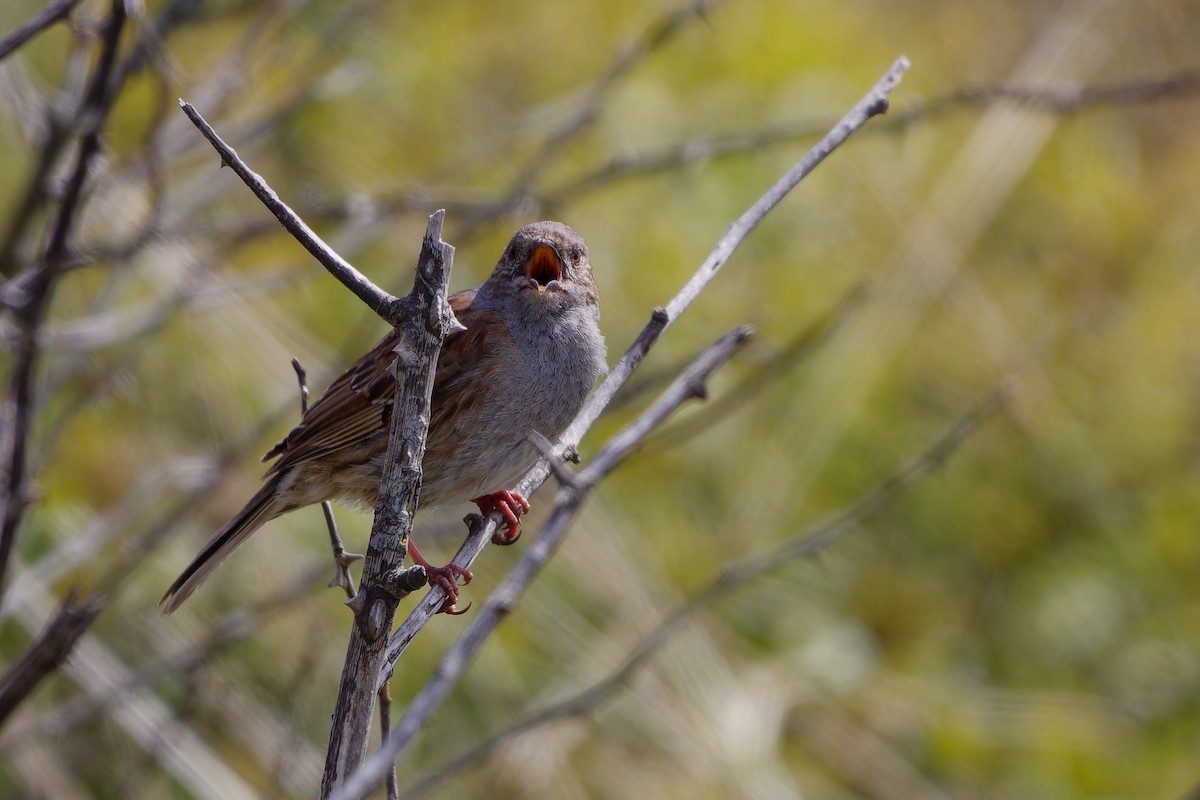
column 512, row 505
column 445, row 577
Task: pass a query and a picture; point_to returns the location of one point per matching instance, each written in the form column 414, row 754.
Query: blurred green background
column 1024, row 624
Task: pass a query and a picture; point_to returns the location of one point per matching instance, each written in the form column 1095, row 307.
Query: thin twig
column 376, row 299
column 873, row 103
column 385, row 728
column 766, row 372
column 689, row 385
column 736, row 575
column 55, row 12
column 342, row 558
column 1057, row 100
column 46, row 654
column 1068, row 99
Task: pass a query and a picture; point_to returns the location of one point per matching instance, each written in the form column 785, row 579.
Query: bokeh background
column 1022, row 624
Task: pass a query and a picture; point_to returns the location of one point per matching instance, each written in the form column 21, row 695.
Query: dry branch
column 422, row 320
column 873, row 103
column 342, row 558
column 427, row 321
column 376, row 299
column 55, row 12
column 46, row 654
column 375, row 611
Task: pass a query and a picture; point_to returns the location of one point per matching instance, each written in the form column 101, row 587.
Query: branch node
column 376, row 618
column 400, row 582
column 556, row 459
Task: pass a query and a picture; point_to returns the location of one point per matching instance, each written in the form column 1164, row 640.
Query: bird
column 530, row 354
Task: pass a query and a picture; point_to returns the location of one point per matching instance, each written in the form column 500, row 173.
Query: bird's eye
column 576, row 255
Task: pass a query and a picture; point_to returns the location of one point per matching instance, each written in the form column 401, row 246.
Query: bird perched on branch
column 530, row 354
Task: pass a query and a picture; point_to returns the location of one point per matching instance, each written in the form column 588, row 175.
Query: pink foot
column 445, row 577
column 512, row 506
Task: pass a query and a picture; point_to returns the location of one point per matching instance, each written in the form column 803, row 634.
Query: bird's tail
column 263, row 506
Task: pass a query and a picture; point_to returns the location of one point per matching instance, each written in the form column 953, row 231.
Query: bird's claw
column 446, row 577
column 511, row 505
column 453, row 610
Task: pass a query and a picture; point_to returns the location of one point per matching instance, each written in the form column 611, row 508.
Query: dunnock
column 530, row 354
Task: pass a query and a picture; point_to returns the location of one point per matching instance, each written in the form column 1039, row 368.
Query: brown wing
column 355, row 406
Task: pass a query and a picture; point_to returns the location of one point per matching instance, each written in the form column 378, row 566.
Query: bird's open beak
column 544, row 265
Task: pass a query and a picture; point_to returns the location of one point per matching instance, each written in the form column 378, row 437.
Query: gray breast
column 542, row 390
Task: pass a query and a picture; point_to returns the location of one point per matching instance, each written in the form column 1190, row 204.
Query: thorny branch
column 767, row 371
column 376, row 299
column 421, row 331
column 342, row 558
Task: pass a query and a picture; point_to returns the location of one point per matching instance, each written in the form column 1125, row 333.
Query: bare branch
column 427, row 321
column 806, row 543
column 46, row 654
column 55, row 12
column 689, row 385
column 385, row 729
column 1058, row 100
column 1065, row 100
column 342, row 558
column 874, row 102
column 376, row 299
column 771, row 369
column 234, row 627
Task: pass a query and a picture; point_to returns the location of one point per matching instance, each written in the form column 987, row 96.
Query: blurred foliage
column 1023, row 624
